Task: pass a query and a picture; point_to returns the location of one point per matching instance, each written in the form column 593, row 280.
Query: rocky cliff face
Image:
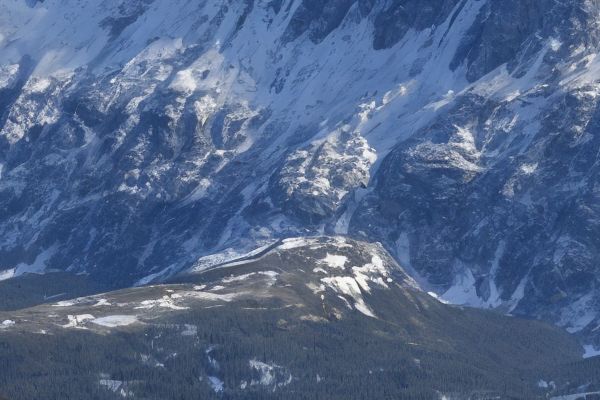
column 500, row 185
column 138, row 136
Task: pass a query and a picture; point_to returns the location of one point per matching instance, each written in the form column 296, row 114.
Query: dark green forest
column 355, row 358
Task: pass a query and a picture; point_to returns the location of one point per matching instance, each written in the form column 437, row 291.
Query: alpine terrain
column 299, row 199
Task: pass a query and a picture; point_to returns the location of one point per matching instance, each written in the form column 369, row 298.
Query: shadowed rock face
column 317, row 18
column 391, row 20
column 398, row 17
column 507, row 31
column 136, row 137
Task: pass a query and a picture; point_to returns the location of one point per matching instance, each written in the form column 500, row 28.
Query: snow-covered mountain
column 138, row 137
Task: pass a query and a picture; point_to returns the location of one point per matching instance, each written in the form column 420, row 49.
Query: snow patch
column 590, row 351
column 240, row 278
column 76, row 321
column 184, row 82
column 167, row 301
column 102, row 303
column 65, row 303
column 7, row 323
column 113, row 321
column 7, row 274
column 270, row 375
column 464, row 292
column 216, row 384
column 294, row 243
column 334, row 261
column 348, row 286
